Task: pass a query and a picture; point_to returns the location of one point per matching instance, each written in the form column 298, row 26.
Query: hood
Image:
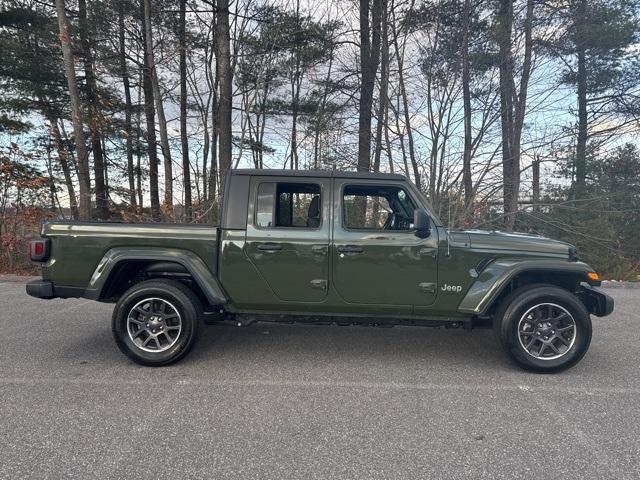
column 507, row 241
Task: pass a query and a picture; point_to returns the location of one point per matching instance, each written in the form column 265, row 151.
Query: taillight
column 40, row 250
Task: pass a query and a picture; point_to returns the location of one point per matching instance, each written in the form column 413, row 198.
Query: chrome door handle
column 269, row 247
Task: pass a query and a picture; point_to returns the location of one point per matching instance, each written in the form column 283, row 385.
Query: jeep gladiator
column 327, row 247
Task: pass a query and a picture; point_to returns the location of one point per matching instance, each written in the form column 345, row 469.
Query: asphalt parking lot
column 293, row 402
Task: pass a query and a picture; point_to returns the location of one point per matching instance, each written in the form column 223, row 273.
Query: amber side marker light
column 593, row 276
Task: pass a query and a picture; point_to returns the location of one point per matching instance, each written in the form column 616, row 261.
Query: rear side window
column 288, row 205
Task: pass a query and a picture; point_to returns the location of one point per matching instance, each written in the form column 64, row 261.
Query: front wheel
column 543, row 328
column 155, row 322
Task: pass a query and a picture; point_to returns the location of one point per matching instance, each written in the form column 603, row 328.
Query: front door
column 376, row 257
column 288, row 236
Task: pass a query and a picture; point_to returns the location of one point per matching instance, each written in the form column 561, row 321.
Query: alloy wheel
column 154, row 325
column 547, row 331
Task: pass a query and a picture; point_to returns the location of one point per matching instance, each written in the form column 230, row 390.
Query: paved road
column 293, row 402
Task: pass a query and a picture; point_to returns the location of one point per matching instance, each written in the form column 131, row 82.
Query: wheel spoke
column 553, row 347
column 562, row 316
column 542, row 347
column 563, row 340
column 137, row 334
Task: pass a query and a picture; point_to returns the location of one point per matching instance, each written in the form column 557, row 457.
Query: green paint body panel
column 200, row 272
column 448, row 275
column 498, row 273
column 82, row 253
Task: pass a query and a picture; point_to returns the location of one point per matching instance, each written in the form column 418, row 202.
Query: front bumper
column 598, row 302
column 40, row 288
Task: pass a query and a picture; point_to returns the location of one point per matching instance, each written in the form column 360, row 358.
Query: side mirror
column 421, row 223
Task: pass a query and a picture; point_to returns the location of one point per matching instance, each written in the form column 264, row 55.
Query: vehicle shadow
column 336, row 346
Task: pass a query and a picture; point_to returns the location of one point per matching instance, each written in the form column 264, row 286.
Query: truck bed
column 78, row 247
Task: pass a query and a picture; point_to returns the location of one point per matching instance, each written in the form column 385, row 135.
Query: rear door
column 288, row 236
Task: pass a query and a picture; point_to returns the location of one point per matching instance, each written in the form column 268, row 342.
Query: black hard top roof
column 317, row 173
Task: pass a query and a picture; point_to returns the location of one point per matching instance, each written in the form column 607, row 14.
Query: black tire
column 527, row 299
column 167, row 292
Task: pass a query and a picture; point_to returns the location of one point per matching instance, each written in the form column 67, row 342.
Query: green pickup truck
column 325, row 247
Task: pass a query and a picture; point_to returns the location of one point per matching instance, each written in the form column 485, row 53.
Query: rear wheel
column 155, row 322
column 543, row 328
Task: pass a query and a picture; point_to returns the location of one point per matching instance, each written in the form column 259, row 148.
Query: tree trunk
column 407, row 116
column 149, row 110
column 139, row 137
column 369, row 58
column 127, row 106
column 162, row 121
column 90, row 88
column 536, row 184
column 76, row 112
column 186, row 165
column 507, row 94
column 295, row 99
column 224, row 74
column 466, row 98
column 213, row 168
column 384, row 88
column 64, row 165
column 581, row 143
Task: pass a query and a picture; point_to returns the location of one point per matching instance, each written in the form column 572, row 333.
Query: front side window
column 377, row 207
column 288, row 205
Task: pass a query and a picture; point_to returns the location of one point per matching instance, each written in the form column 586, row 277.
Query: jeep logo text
column 451, row 288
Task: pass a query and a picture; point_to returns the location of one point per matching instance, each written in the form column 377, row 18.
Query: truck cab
column 328, row 243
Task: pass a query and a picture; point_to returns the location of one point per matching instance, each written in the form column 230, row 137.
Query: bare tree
column 128, row 131
column 224, row 74
column 512, row 103
column 76, row 112
column 186, row 165
column 90, row 88
column 467, row 180
column 149, row 108
column 369, row 58
column 159, row 106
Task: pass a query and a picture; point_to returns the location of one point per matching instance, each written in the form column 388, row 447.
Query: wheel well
column 569, row 281
column 127, row 273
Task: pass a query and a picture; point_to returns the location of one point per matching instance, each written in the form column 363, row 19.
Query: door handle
column 427, row 287
column 426, row 251
column 269, row 247
column 319, row 249
column 320, row 284
column 350, row 249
